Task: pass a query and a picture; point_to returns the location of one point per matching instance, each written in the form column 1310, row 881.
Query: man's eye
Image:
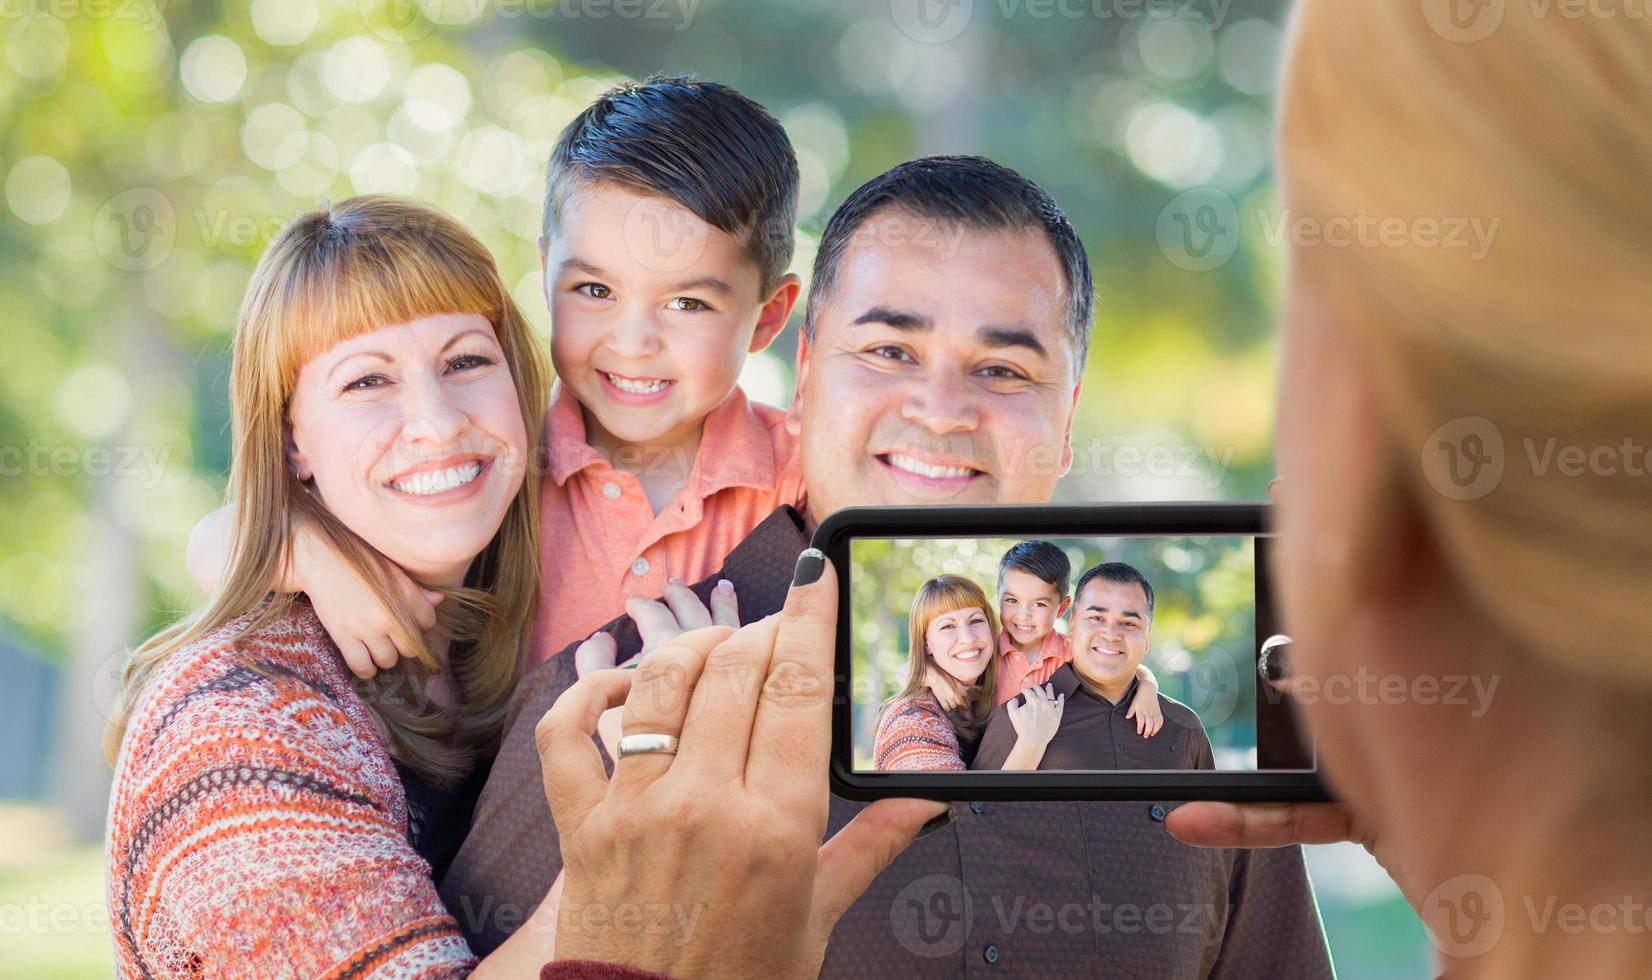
column 468, row 362
column 999, row 371
column 595, row 290
column 890, row 352
column 688, row 304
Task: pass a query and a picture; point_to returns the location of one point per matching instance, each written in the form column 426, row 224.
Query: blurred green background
column 149, row 150
column 1199, row 646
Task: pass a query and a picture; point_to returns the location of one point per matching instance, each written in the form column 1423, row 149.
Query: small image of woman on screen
column 952, row 628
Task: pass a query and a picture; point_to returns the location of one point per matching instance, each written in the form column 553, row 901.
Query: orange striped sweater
column 914, row 734
column 257, row 826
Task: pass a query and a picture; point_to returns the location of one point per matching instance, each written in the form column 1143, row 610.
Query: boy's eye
column 688, row 304
column 595, row 290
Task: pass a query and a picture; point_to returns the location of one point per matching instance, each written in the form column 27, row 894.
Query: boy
column 667, row 233
column 1032, row 595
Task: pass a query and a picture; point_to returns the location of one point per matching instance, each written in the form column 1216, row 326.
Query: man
column 943, row 347
column 1112, row 620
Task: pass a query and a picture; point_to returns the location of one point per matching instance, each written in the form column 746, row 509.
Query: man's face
column 1110, row 628
column 941, row 370
column 1028, row 606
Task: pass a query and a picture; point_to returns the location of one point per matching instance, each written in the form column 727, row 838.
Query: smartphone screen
column 1063, row 649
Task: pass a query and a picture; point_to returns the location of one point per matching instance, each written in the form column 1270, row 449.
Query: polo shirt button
column 639, row 568
column 1157, row 812
column 977, row 806
column 611, row 490
column 990, row 954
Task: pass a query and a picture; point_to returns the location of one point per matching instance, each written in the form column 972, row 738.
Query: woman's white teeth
column 911, row 465
column 638, row 386
column 438, row 481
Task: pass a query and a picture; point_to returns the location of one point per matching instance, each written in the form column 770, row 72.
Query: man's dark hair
column 971, row 191
column 1119, row 572
column 1040, row 559
column 700, row 144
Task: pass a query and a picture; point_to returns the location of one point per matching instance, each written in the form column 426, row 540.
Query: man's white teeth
column 438, row 481
column 636, row 387
column 911, row 465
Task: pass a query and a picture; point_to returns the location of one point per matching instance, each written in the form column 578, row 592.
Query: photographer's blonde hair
column 1542, row 126
column 944, row 594
column 331, row 274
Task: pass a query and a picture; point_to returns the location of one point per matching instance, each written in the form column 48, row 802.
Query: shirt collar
column 735, row 447
column 1045, row 648
column 1067, row 681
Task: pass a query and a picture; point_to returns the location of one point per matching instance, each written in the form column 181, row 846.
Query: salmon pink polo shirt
column 600, row 541
column 1016, row 675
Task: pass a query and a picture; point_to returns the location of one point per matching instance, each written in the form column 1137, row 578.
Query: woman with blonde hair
column 386, row 391
column 952, row 636
column 1463, row 434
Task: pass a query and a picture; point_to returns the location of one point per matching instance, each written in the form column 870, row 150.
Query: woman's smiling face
column 961, row 642
column 414, row 437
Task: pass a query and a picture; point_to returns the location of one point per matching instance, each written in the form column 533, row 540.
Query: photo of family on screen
column 1078, row 654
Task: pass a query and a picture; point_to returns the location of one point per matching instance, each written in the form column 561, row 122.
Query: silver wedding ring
column 647, row 744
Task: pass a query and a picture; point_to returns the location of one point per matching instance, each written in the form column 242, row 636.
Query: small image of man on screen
column 1112, row 621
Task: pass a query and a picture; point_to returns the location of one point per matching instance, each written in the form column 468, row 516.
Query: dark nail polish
column 1274, row 662
column 939, row 822
column 811, row 564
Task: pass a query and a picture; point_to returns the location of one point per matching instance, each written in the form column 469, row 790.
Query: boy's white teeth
column 911, row 465
column 638, row 387
column 438, row 481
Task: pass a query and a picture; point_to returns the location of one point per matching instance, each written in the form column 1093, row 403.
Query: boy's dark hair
column 700, row 144
column 1118, row 571
column 972, row 191
column 1040, row 559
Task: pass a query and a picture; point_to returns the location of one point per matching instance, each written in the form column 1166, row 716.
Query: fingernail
column 674, row 580
column 811, row 564
column 939, row 822
column 1274, row 662
column 725, row 586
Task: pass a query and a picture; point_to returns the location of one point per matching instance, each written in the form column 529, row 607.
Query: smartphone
column 1036, row 621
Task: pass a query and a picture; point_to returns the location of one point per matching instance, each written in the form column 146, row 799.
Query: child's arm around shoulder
column 355, row 617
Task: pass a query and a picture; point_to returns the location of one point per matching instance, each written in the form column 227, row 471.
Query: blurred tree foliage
column 1201, row 645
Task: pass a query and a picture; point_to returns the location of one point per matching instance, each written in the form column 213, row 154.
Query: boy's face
column 1028, row 606
column 652, row 312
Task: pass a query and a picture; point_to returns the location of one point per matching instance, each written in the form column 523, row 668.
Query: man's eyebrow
column 899, row 319
column 1128, row 612
column 1013, row 337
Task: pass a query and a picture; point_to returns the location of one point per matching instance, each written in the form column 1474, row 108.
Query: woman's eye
column 688, row 304
column 468, row 362
column 595, row 290
column 366, row 382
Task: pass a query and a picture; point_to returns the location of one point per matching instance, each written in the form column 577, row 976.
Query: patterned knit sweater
column 257, row 826
column 915, row 734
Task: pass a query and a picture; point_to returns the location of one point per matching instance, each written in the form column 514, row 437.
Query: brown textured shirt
column 1095, row 734
column 1011, row 889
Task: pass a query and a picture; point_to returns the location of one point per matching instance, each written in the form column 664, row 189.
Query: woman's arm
column 915, row 737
